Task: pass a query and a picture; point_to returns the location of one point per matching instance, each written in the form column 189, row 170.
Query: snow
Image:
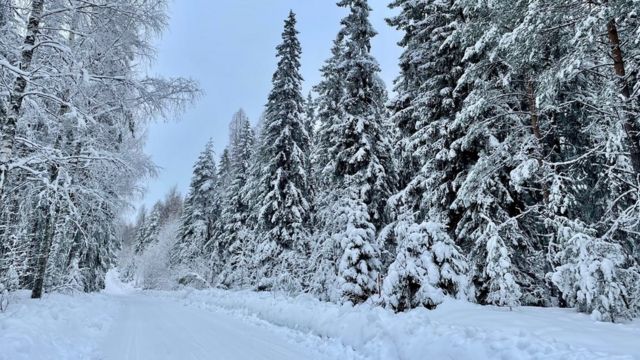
column 125, row 323
column 455, row 330
column 162, row 328
column 113, row 285
column 58, row 327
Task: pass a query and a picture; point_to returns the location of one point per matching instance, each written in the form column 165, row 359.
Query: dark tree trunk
column 9, row 116
column 630, row 124
column 50, row 211
column 535, row 129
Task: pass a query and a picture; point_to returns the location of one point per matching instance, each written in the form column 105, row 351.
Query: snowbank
column 56, row 327
column 456, row 330
column 114, row 286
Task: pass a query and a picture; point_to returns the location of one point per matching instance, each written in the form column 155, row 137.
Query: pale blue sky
column 228, row 46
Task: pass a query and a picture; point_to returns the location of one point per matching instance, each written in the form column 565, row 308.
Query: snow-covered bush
column 498, row 277
column 193, row 280
column 595, row 276
column 152, row 266
column 427, row 267
column 73, row 280
column 9, row 282
column 359, row 264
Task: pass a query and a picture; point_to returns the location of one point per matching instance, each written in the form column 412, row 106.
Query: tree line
column 504, row 169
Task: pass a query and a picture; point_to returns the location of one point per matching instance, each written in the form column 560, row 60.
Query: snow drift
column 455, row 330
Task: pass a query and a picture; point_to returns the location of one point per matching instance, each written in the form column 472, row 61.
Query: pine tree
column 592, row 78
column 284, row 150
column 557, row 151
column 473, row 142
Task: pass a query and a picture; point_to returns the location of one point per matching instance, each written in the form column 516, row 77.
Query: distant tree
column 199, row 216
column 236, row 233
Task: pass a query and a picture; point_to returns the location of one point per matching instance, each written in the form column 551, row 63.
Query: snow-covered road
column 125, row 324
column 160, row 328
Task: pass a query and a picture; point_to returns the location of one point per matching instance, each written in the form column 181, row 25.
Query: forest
column 503, row 168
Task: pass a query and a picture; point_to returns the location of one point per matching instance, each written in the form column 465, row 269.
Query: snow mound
column 455, row 330
column 114, row 286
column 58, row 327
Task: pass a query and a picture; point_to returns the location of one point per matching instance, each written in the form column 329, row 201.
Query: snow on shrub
column 427, row 267
column 594, row 276
column 152, row 266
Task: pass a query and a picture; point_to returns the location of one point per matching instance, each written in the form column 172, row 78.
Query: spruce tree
column 284, row 147
column 363, row 146
column 325, row 250
column 330, row 91
column 595, row 275
column 359, row 162
column 426, row 104
column 236, row 234
column 428, row 266
column 199, row 215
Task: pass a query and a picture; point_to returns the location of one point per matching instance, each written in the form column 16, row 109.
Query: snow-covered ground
column 58, row 327
column 123, row 323
column 455, row 330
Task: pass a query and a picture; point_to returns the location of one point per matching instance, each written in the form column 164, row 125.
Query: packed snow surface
column 123, row 323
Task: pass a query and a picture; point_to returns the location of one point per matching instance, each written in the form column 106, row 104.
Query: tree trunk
column 630, row 124
column 50, row 213
column 9, row 116
column 535, row 129
column 4, row 11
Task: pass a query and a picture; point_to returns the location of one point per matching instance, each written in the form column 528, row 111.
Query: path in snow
column 159, row 328
column 125, row 324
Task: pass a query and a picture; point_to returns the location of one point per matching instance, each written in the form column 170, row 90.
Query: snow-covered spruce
column 427, row 267
column 595, row 276
column 199, row 215
column 284, row 148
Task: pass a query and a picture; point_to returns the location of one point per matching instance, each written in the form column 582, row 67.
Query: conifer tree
column 359, row 263
column 199, row 215
column 425, row 106
column 363, row 146
column 284, row 146
column 354, row 162
column 428, row 266
column 236, row 234
column 330, row 91
column 595, row 275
